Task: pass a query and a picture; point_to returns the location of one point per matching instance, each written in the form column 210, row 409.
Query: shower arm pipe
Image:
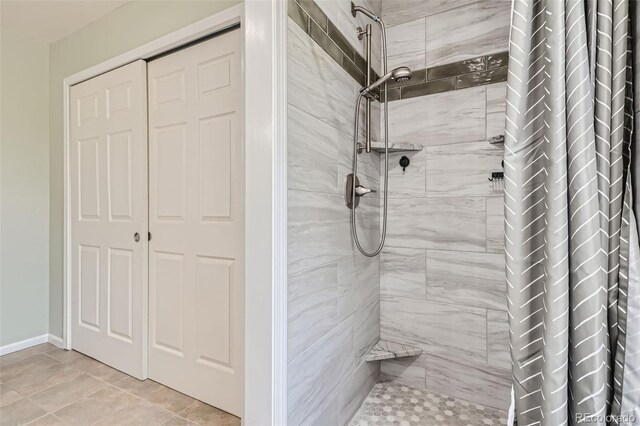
column 371, row 15
column 354, row 230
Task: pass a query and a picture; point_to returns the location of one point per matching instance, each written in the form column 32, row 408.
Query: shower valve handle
column 361, row 190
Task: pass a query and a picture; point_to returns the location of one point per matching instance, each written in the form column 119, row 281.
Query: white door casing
column 108, row 206
column 196, row 219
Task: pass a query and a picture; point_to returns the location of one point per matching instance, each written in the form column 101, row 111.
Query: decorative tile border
column 478, row 71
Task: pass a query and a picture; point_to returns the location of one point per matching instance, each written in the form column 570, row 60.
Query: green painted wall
column 127, row 27
column 24, row 187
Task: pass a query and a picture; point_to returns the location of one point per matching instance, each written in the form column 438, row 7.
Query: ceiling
column 49, row 21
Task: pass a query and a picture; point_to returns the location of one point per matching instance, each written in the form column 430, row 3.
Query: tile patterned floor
column 395, row 404
column 48, row 386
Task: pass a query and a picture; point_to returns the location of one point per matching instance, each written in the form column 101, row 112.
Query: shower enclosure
column 421, row 314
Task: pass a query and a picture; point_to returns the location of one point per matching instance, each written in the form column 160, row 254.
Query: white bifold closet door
column 109, row 217
column 196, row 219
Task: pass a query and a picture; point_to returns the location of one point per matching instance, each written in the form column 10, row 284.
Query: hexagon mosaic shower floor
column 395, row 404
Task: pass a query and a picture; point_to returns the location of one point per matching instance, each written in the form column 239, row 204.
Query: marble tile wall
column 449, row 45
column 442, row 271
column 339, row 12
column 445, row 118
column 333, row 291
column 331, row 25
column 452, row 30
column 395, row 12
column 471, row 30
column 406, row 44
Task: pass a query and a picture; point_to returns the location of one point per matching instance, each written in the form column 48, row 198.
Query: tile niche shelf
column 395, row 147
column 386, row 349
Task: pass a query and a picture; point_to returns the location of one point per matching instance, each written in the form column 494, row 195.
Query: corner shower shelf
column 395, row 147
column 386, row 349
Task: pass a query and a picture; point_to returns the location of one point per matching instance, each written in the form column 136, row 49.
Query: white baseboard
column 24, row 344
column 56, row 341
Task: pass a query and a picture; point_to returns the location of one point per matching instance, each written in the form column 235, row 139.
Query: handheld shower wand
column 400, row 74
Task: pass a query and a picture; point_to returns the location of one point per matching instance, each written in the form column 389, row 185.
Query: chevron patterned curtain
column 571, row 212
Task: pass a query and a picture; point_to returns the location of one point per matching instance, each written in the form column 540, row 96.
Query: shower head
column 400, row 75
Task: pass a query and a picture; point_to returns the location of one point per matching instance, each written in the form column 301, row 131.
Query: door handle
column 136, row 237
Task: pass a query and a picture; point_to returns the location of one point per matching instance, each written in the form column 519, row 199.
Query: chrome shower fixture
column 354, row 191
column 355, row 9
column 366, row 33
column 400, row 75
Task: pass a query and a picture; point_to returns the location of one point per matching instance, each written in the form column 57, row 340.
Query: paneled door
column 196, row 219
column 109, row 217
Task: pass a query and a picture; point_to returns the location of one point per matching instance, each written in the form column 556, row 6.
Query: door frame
column 263, row 26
